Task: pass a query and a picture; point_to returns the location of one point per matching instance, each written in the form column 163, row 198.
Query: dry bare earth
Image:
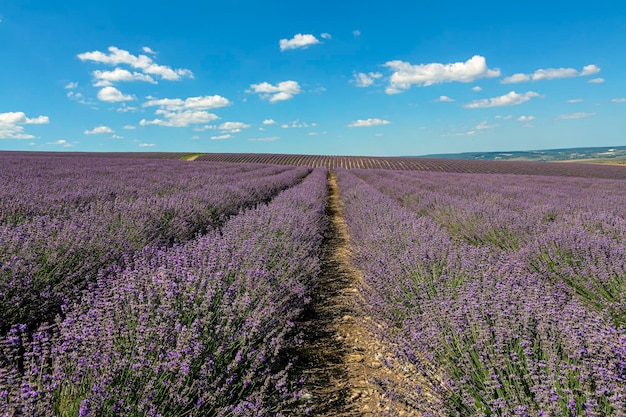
column 340, row 358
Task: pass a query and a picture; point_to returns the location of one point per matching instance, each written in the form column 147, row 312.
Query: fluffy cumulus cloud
column 113, row 95
column 618, row 100
column 525, row 118
column 510, row 99
column 405, row 74
column 551, row 73
column 298, row 41
column 233, row 127
column 368, row 123
column 285, row 90
column 99, row 130
column 180, row 118
column 107, row 78
column 11, row 125
column 177, row 112
column 326, row 36
column 477, row 89
column 572, row 116
column 445, row 99
column 269, row 121
column 362, row 79
column 144, row 63
column 596, row 80
column 197, row 103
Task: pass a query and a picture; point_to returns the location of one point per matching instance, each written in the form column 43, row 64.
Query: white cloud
column 74, row 95
column 130, row 127
column 233, row 127
column 510, row 99
column 71, row 85
column 221, row 137
column 99, row 130
column 106, row 78
column 590, row 70
column 285, row 90
column 267, row 139
column 326, row 36
column 469, row 133
column 203, row 128
column 146, row 145
column 117, row 137
column 144, row 63
column 477, row 89
column 356, row 33
column 126, row 109
column 445, row 99
column 298, row 41
column 596, row 80
column 368, row 123
column 177, row 112
column 113, row 95
column 11, row 125
column 516, row 78
column 618, row 100
column 297, row 125
column 148, row 50
column 405, row 75
column 575, row 100
column 525, row 118
column 550, row 74
column 484, row 125
column 20, row 118
column 60, row 142
column 572, row 116
column 197, row 103
column 180, row 118
column 269, row 121
column 363, row 79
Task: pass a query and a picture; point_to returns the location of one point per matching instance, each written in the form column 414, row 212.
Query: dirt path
column 340, row 356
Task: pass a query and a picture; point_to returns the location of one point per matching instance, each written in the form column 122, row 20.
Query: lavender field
column 149, row 287
column 503, row 295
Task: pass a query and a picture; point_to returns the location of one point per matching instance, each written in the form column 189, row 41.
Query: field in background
column 572, row 169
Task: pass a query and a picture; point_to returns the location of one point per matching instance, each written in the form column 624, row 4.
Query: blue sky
column 339, row 78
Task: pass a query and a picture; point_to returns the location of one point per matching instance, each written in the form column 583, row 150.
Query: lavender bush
column 198, row 329
column 484, row 333
column 69, row 220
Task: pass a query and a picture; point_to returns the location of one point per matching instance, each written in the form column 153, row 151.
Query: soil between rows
column 340, row 358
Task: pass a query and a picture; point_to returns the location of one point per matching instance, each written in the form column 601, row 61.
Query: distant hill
column 616, row 153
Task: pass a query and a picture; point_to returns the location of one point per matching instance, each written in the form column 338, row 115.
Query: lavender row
column 46, row 261
column 572, row 232
column 196, row 330
column 504, row 209
column 62, row 186
column 477, row 332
